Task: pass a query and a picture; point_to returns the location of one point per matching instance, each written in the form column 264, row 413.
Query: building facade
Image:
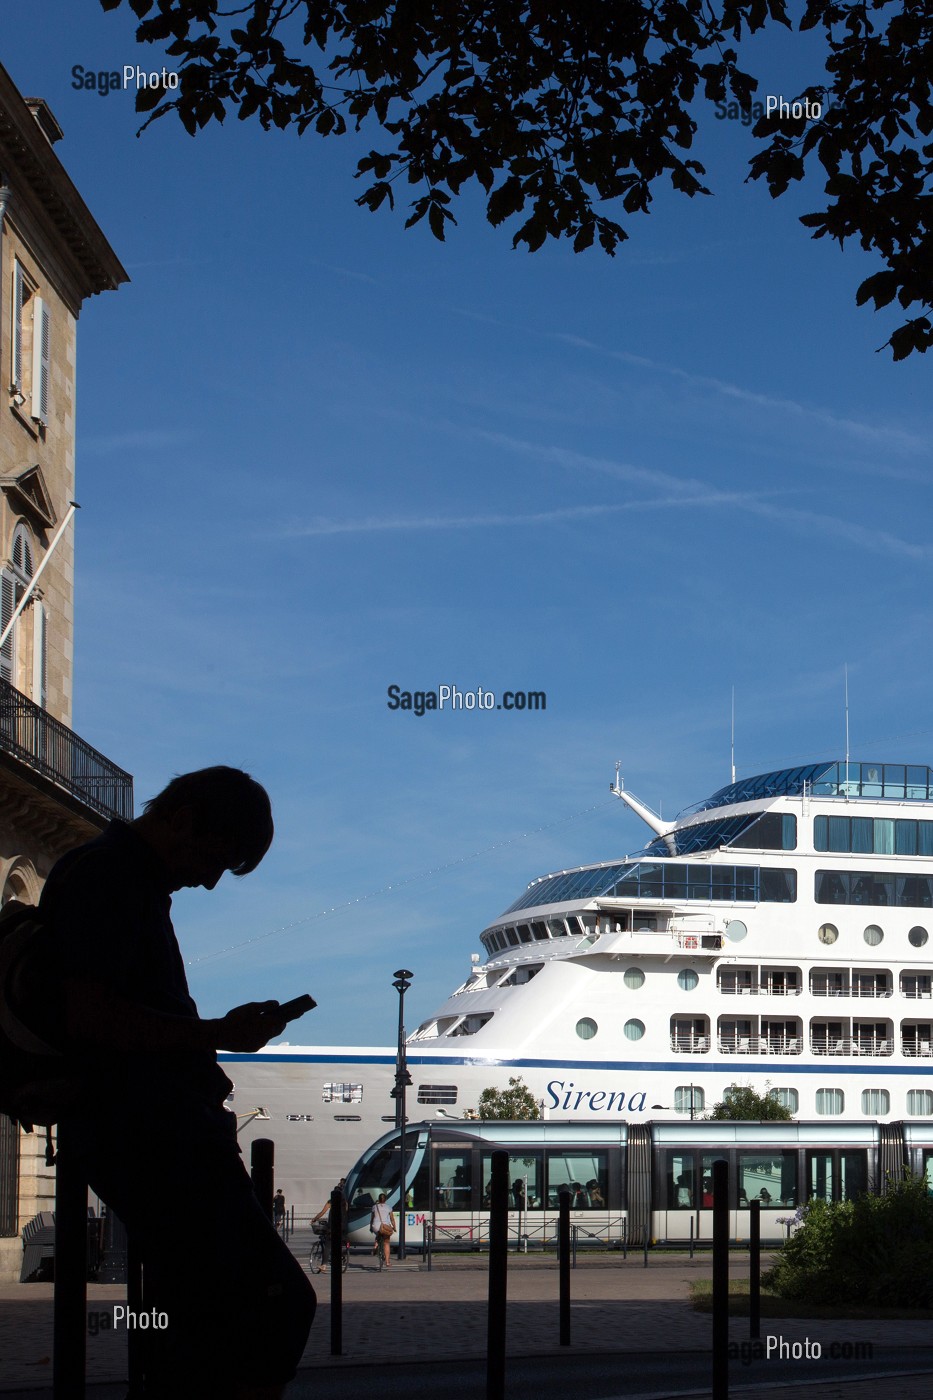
column 56, row 790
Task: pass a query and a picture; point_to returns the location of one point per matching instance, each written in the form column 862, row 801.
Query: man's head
column 206, row 822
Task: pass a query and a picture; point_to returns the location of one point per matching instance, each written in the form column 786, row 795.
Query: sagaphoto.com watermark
column 131, row 78
column 452, row 698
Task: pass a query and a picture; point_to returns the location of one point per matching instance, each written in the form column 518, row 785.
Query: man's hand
column 248, row 1028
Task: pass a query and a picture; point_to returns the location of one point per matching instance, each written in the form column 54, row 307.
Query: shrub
column 876, row 1250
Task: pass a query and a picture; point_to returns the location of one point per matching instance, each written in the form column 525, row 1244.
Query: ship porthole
column 917, row 937
column 586, row 1028
column 828, row 933
column 873, row 935
column 634, row 978
column 735, row 930
column 687, row 979
column 634, row 1030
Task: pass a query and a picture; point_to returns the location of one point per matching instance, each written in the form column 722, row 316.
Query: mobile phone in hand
column 291, row 1010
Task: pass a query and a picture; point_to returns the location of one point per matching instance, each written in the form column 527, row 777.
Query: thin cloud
column 140, row 439
column 867, row 432
column 321, row 526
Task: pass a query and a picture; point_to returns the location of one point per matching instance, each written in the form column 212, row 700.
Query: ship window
column 512, row 936
column 873, row 935
column 558, row 928
column 689, row 1099
column 347, row 1118
column 920, row 1103
column 787, row 1098
column 687, row 979
column 917, row 937
column 774, row 831
column 828, row 933
column 634, row 1029
column 586, row 1028
column 830, row 1101
column 634, row 978
column 437, row 1093
column 342, row 1093
column 876, row 1102
column 874, row 887
column 539, row 929
column 524, row 933
column 521, row 975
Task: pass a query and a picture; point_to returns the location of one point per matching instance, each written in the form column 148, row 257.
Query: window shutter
column 7, row 605
column 40, row 656
column 17, row 341
column 41, row 345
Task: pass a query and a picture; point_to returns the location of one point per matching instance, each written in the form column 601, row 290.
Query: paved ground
column 409, row 1314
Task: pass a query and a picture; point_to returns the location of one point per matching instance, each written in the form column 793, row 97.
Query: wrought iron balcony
column 49, row 747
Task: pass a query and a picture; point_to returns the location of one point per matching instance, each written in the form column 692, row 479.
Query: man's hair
column 225, row 802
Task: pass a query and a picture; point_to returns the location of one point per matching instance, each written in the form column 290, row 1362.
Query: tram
column 628, row 1182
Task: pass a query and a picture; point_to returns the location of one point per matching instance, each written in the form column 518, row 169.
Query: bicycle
column 316, row 1258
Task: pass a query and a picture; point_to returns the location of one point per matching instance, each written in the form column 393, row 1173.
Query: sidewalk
column 410, row 1314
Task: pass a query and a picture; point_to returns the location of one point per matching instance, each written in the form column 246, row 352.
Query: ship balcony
column 759, row 1036
column 760, row 1045
column 916, row 1039
column 871, row 1038
column 766, row 981
column 36, row 741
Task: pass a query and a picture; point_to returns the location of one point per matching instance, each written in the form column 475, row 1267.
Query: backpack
column 36, row 1081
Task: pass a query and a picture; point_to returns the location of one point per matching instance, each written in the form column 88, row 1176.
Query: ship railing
column 873, row 993
column 690, row 1044
column 923, row 1049
column 849, row 1045
column 917, row 993
column 758, row 989
column 760, row 1045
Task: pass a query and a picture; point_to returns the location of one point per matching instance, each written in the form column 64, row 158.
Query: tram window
column 526, row 1179
column 836, row 1176
column 767, row 1177
column 453, row 1175
column 681, row 1181
column 928, row 1171
column 583, row 1174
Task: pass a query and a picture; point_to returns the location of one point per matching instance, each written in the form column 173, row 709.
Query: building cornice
column 39, row 180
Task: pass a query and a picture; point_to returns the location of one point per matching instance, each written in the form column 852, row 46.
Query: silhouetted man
column 155, row 1134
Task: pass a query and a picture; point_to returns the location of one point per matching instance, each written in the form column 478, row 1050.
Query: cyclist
column 325, row 1232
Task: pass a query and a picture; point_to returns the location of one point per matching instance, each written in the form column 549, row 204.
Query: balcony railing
column 760, row 1045
column 820, row 989
column 49, row 747
column 846, row 1045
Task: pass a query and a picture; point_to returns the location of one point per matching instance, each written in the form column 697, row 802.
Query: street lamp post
column 402, row 1080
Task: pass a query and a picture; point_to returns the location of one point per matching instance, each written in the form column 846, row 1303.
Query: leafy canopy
column 741, row 1104
column 567, row 112
column 515, row 1102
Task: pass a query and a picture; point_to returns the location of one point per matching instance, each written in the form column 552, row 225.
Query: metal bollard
column 691, row 1237
column 754, row 1270
column 720, row 1280
column 428, row 1245
column 498, row 1276
column 262, row 1171
column 563, row 1259
column 338, row 1225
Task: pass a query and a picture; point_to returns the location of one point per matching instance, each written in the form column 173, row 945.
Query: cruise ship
column 774, row 935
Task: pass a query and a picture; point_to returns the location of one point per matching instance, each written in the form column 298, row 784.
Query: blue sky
column 318, row 455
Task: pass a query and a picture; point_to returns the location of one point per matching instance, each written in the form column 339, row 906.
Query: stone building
column 55, row 789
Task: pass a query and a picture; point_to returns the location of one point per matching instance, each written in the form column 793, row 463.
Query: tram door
column 836, row 1175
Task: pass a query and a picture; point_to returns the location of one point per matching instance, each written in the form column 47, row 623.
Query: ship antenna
column 732, row 749
column 847, row 729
